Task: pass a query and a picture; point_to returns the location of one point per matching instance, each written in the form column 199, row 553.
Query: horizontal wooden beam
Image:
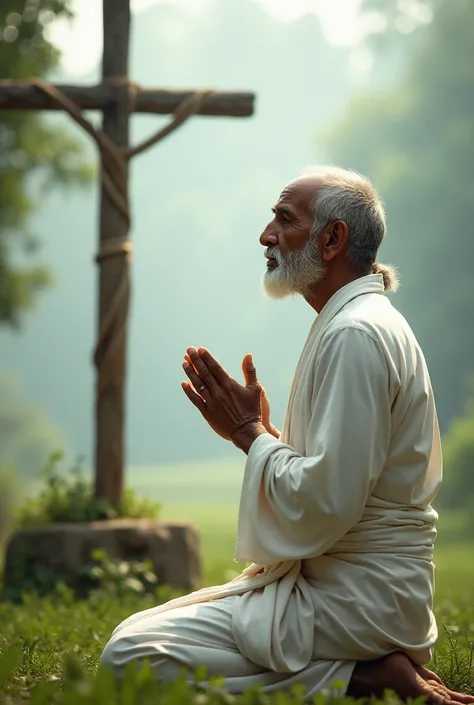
column 18, row 95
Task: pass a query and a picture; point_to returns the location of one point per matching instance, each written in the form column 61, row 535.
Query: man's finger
column 194, row 378
column 202, row 369
column 194, row 398
column 214, row 366
column 250, row 373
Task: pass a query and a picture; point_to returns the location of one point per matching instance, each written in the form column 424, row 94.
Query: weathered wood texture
column 17, row 95
column 113, row 272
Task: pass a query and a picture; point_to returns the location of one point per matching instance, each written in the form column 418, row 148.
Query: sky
column 339, row 18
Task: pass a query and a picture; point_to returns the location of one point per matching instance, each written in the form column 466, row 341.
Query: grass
column 40, row 632
column 37, row 635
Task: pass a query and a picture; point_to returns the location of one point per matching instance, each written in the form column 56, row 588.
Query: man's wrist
column 244, row 436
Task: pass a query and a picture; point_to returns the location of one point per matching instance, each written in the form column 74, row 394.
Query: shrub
column 118, row 577
column 69, row 497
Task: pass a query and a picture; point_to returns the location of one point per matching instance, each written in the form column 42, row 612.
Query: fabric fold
column 270, row 625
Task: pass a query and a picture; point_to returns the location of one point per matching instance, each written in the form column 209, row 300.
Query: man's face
column 293, row 260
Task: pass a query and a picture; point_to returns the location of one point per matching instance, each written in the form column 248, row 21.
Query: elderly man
column 335, row 512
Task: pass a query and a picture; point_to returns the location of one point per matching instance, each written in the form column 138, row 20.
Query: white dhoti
column 335, row 518
column 201, row 635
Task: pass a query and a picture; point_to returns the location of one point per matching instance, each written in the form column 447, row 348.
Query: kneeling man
column 335, row 512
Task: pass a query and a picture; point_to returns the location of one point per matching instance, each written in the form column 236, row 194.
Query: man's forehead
column 302, row 191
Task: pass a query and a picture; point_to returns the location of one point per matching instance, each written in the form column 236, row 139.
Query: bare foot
column 397, row 673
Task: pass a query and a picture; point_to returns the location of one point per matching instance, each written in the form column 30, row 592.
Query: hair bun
column 389, row 274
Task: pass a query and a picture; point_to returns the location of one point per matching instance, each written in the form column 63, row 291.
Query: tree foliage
column 415, row 140
column 34, row 153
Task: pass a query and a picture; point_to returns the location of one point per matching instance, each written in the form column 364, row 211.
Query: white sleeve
column 295, row 506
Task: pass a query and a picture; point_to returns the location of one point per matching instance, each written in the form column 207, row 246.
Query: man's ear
column 334, row 240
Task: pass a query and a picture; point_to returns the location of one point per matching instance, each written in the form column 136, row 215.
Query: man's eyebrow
column 282, row 210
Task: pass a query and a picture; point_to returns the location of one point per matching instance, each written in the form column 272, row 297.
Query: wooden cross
column 117, row 97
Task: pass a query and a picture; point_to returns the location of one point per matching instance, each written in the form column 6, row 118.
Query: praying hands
column 235, row 412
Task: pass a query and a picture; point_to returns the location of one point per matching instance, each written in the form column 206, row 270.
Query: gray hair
column 347, row 195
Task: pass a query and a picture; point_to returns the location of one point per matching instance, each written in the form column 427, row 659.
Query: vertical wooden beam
column 111, row 368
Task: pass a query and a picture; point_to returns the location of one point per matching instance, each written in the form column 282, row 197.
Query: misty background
column 202, row 197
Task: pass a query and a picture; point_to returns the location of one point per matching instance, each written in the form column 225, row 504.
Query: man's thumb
column 248, row 368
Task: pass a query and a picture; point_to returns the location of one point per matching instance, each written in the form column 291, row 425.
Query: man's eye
column 280, row 216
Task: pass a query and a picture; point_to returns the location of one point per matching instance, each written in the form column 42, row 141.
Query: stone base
column 63, row 549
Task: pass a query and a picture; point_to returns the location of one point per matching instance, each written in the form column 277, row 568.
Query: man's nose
column 269, row 236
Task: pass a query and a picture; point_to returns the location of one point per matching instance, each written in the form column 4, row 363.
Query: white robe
column 335, row 518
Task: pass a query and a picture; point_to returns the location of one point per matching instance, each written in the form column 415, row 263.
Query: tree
column 415, row 140
column 34, row 153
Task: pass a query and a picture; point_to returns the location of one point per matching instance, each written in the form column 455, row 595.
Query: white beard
column 296, row 273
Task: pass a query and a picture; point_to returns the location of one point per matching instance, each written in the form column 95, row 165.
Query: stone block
column 63, row 548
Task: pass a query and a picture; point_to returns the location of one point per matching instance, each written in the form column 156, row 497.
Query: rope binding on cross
column 114, row 159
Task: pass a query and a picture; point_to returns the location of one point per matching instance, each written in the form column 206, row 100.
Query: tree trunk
column 113, row 271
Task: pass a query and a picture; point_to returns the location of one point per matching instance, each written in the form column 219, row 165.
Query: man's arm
column 295, row 506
